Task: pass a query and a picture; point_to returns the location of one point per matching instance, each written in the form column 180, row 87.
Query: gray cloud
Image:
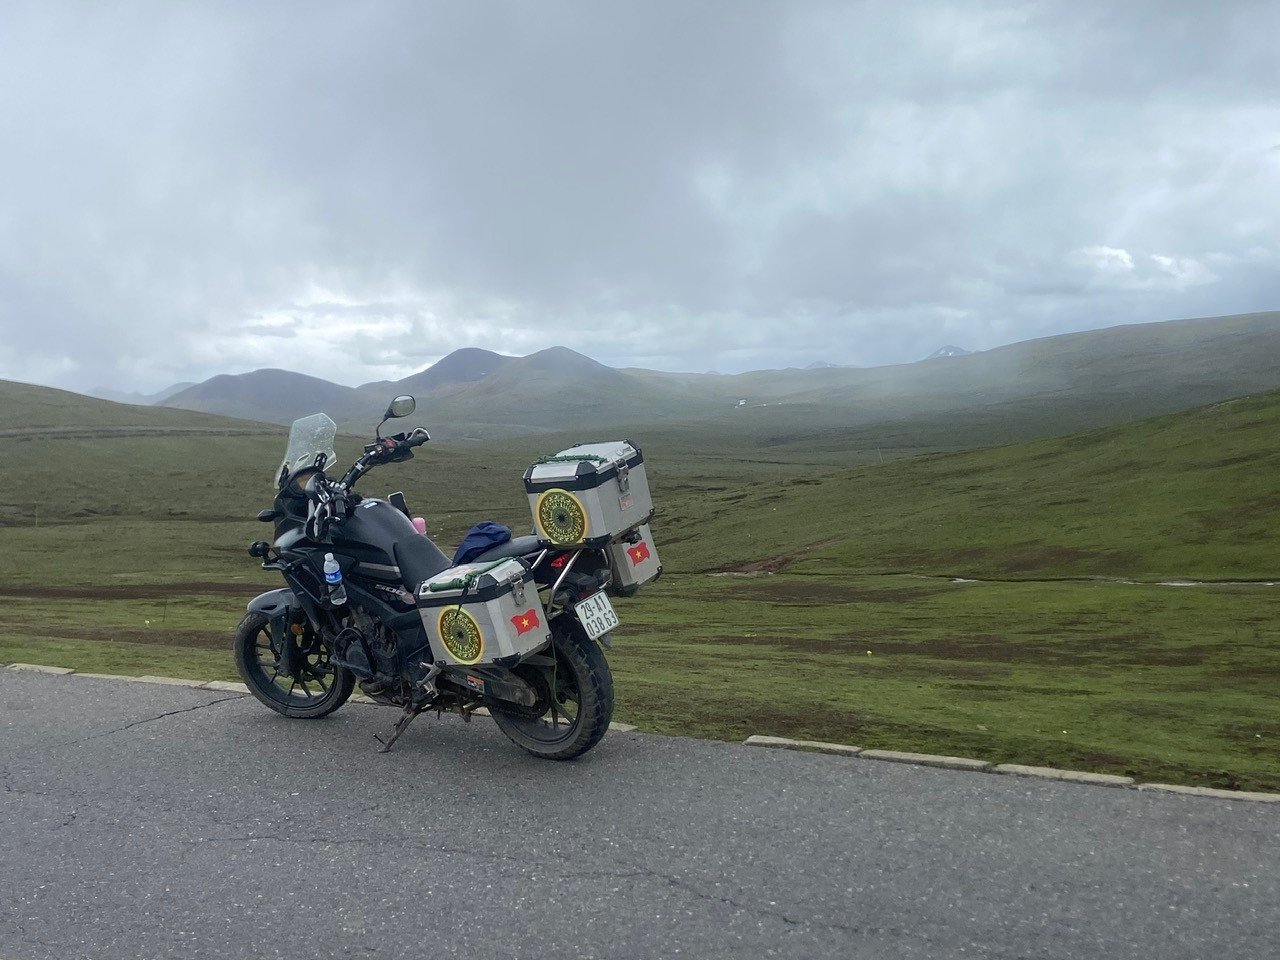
column 354, row 190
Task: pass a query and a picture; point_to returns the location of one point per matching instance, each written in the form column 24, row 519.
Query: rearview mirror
column 401, row 406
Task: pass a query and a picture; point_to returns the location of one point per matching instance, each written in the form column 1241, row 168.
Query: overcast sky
column 353, row 190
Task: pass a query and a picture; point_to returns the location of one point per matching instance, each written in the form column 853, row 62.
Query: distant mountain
column 949, row 351
column 1033, row 388
column 563, row 362
column 552, row 389
column 139, row 399
column 823, row 365
column 470, row 392
column 278, row 396
column 462, row 366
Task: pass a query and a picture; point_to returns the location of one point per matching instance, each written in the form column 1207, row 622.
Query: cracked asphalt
column 141, row 821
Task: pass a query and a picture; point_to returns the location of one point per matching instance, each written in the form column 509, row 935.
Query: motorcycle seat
column 515, row 547
column 419, row 559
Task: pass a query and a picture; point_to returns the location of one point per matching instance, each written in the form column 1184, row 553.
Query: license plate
column 596, row 615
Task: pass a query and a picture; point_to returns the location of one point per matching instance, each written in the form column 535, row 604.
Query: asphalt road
column 143, row 821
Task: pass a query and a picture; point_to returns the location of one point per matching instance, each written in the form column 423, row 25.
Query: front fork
column 290, row 654
column 287, row 616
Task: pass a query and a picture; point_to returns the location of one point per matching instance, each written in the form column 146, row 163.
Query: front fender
column 280, row 607
column 274, row 602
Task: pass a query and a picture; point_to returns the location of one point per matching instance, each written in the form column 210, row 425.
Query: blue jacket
column 480, row 538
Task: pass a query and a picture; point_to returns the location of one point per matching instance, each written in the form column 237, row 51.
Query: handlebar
column 384, row 450
column 330, row 502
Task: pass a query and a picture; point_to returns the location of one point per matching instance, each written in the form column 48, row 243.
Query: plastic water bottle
column 333, row 577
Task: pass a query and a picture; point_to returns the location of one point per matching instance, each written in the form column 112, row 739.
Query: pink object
column 420, row 525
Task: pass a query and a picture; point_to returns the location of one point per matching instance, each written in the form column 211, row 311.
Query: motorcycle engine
column 366, row 647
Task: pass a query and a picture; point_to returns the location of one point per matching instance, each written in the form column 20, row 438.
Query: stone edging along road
column 784, row 743
column 1010, row 769
column 223, row 685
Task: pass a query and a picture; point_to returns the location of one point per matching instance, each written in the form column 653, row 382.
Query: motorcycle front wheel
column 316, row 690
column 574, row 700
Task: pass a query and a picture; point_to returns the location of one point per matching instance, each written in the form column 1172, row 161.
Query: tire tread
column 590, row 733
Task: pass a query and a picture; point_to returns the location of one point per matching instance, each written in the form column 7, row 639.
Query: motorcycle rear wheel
column 320, row 689
column 575, row 701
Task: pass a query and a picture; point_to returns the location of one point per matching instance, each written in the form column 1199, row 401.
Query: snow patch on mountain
column 949, row 351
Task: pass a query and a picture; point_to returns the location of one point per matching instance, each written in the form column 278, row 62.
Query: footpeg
column 428, row 683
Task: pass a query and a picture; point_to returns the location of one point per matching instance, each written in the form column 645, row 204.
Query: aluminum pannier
column 481, row 613
column 634, row 561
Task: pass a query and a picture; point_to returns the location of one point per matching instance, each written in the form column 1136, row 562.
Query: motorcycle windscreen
column 311, row 441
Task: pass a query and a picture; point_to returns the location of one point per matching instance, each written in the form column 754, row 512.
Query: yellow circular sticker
column 561, row 517
column 461, row 635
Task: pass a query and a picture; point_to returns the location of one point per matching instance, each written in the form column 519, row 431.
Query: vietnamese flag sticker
column 524, row 622
column 639, row 553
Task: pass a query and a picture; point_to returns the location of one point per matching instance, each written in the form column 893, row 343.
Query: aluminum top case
column 483, row 613
column 589, row 495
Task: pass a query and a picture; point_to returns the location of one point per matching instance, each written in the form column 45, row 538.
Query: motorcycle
column 372, row 600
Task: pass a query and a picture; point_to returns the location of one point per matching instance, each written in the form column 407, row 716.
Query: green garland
column 560, row 458
column 467, row 580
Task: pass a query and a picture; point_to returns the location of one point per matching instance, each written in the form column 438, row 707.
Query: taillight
column 560, row 561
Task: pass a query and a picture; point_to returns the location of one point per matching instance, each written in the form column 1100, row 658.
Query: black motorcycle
column 302, row 649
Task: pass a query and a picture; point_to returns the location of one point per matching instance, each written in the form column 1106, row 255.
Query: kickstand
column 426, row 697
column 401, row 726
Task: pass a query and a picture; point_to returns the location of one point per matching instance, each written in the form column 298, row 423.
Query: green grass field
column 807, row 592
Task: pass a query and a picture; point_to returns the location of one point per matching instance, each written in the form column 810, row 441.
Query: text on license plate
column 596, row 615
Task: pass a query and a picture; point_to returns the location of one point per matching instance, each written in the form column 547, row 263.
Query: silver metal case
column 480, row 613
column 634, row 561
column 589, row 495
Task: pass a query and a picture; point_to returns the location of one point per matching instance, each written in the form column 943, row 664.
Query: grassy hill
column 1195, row 359
column 1194, row 494
column 1039, row 388
column 28, row 409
